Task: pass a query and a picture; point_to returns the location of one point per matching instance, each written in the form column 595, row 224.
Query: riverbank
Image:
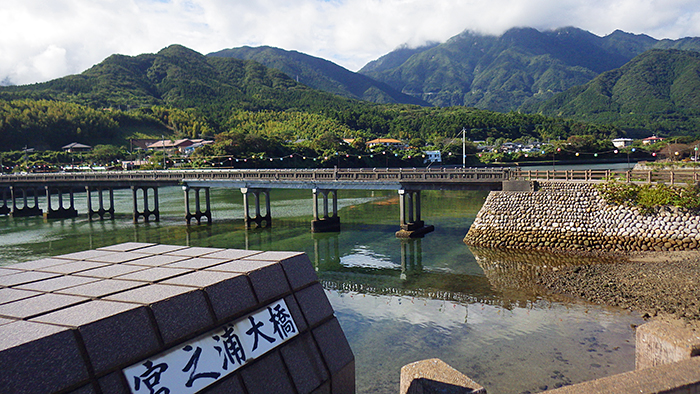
column 655, row 284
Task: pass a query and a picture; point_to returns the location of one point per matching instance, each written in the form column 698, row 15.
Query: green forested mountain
column 180, row 77
column 321, row 74
column 181, row 93
column 658, row 91
column 520, row 67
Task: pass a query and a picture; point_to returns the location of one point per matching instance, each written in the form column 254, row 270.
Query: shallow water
column 397, row 301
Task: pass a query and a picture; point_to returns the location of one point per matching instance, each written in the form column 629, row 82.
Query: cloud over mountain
column 42, row 40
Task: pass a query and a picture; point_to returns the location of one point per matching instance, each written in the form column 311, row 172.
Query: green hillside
column 658, row 91
column 247, row 107
column 522, row 66
column 321, row 74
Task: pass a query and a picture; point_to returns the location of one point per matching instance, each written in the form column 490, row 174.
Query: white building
column 432, row 156
column 622, row 142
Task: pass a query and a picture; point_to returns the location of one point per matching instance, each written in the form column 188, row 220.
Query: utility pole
column 464, row 149
column 162, row 138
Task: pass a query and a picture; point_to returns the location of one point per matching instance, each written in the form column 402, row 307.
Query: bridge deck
column 375, row 179
column 372, row 179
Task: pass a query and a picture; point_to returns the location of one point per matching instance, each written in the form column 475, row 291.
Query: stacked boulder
column 574, row 217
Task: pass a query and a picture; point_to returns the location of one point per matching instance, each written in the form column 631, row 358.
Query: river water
column 397, row 301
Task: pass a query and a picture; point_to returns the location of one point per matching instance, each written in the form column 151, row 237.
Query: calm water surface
column 397, row 301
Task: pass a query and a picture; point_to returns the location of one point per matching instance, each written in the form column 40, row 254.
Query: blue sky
column 42, row 40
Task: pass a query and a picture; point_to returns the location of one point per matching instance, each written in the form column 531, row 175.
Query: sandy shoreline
column 651, row 283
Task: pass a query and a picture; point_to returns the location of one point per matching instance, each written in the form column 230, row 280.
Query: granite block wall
column 73, row 323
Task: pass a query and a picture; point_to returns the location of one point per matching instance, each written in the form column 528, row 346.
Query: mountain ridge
column 522, row 65
column 321, row 74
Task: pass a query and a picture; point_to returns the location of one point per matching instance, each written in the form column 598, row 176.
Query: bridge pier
column 61, row 212
column 258, row 219
column 198, row 214
column 146, row 213
column 101, row 211
column 329, row 222
column 5, row 207
column 410, row 214
column 26, row 210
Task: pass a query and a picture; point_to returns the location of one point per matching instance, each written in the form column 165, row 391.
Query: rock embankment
column 573, row 217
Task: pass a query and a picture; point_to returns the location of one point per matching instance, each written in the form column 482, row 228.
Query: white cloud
column 41, row 40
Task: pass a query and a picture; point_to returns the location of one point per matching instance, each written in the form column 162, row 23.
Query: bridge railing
column 638, row 176
column 353, row 175
column 448, row 175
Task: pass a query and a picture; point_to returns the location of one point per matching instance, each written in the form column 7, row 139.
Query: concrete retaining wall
column 572, row 216
column 120, row 319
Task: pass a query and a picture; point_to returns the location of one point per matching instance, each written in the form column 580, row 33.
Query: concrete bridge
column 20, row 192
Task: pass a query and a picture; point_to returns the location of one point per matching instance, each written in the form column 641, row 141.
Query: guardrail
column 354, row 175
column 418, row 175
column 638, row 176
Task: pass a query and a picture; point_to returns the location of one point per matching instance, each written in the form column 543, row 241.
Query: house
column 141, row 143
column 188, row 150
column 388, row 142
column 651, row 140
column 74, row 147
column 622, row 142
column 432, row 156
column 180, row 146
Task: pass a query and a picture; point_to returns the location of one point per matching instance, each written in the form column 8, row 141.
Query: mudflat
column 652, row 283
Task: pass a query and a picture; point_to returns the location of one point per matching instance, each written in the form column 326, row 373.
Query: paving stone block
column 114, row 333
column 114, row 383
column 159, row 249
column 154, row 274
column 11, row 294
column 157, row 260
column 102, row 288
column 295, row 311
column 324, row 389
column 267, row 277
column 232, row 384
column 343, row 382
column 197, row 263
column 84, row 255
column 179, row 311
column 334, row 346
column 233, row 254
column 126, row 247
column 58, row 283
column 22, row 277
column 71, row 267
column 304, row 363
column 275, row 256
column 41, row 304
column 33, row 265
column 299, row 270
column 229, row 293
column 87, row 389
column 267, row 375
column 118, row 257
column 194, row 252
column 39, row 358
column 6, row 320
column 4, row 271
column 314, row 304
column 112, row 271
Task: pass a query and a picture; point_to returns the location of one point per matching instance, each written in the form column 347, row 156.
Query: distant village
column 183, row 148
